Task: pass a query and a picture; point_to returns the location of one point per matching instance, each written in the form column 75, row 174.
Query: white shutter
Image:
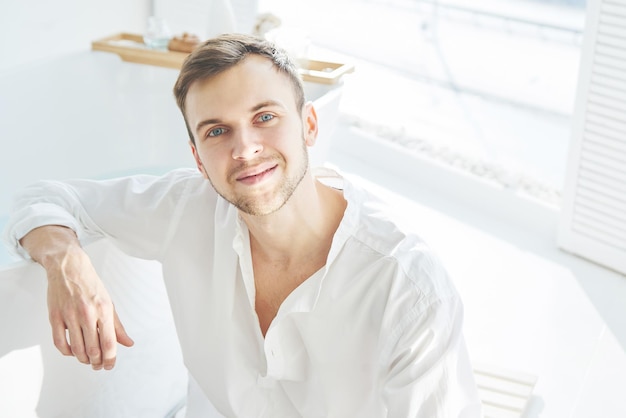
column 593, row 222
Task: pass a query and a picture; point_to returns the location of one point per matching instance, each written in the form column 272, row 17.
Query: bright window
column 487, row 85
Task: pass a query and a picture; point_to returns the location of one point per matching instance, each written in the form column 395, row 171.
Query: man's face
column 250, row 138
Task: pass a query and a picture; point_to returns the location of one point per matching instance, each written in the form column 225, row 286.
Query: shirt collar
column 241, row 241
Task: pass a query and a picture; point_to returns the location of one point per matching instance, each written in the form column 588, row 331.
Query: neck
column 302, row 229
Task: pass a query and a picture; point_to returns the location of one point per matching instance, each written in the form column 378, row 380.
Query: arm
column 138, row 214
column 77, row 299
column 429, row 372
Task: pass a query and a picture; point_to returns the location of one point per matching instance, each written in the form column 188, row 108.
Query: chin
column 255, row 208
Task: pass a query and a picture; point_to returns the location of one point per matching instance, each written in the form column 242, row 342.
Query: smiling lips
column 255, row 176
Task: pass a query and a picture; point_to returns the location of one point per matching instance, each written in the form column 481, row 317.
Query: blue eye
column 216, row 131
column 266, row 117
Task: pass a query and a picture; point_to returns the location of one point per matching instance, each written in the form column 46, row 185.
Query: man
column 293, row 294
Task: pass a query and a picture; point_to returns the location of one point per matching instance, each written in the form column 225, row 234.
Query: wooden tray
column 130, row 47
column 323, row 71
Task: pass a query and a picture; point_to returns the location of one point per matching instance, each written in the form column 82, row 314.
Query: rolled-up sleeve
column 137, row 212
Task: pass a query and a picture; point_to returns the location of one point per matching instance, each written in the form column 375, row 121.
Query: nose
column 246, row 144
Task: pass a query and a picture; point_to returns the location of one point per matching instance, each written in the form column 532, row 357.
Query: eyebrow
column 255, row 108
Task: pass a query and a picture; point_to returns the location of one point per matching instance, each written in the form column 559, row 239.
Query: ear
column 309, row 125
column 196, row 157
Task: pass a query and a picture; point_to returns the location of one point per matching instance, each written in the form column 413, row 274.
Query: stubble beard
column 253, row 206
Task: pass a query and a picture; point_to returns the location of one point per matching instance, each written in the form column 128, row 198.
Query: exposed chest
column 273, row 284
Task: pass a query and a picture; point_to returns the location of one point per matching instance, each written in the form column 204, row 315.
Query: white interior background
column 462, row 121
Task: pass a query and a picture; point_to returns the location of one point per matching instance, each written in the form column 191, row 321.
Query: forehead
column 252, row 80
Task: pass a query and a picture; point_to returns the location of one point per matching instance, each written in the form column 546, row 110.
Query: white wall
column 38, row 29
column 208, row 18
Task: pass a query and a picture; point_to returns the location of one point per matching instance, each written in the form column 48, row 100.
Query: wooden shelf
column 323, row 71
column 130, row 47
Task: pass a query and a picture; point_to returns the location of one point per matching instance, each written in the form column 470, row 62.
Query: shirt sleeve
column 137, row 212
column 429, row 372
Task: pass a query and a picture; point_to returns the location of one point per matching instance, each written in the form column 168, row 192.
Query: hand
column 77, row 299
column 79, row 303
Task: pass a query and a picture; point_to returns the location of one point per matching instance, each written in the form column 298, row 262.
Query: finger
column 92, row 345
column 122, row 336
column 59, row 337
column 77, row 344
column 107, row 343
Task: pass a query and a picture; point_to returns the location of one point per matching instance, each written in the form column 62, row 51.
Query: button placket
column 273, row 354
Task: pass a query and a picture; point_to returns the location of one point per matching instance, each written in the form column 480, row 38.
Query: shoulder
column 181, row 183
column 148, row 195
column 378, row 231
column 174, row 179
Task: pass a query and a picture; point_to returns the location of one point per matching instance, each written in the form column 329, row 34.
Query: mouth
column 255, row 176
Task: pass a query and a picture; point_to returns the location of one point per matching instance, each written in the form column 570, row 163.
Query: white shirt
column 377, row 332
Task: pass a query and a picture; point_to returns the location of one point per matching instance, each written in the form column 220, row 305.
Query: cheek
column 212, row 160
column 287, row 135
